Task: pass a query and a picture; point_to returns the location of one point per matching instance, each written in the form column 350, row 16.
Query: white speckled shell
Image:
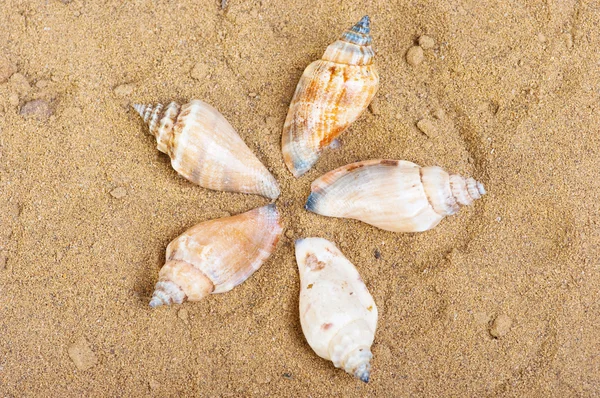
column 394, row 195
column 217, row 255
column 331, row 94
column 337, row 313
column 205, row 149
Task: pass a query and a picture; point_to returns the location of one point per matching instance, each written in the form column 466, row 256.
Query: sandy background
column 512, row 89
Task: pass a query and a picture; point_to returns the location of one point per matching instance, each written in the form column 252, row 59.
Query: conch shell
column 332, row 93
column 394, row 195
column 216, row 255
column 337, row 313
column 205, row 149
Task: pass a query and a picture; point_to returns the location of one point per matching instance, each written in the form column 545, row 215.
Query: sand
column 501, row 299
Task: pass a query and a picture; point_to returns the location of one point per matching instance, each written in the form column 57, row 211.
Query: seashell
column 394, row 195
column 205, row 149
column 332, row 93
column 216, row 255
column 337, row 313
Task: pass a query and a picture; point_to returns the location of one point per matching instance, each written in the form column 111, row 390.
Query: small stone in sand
column 41, row 84
column 118, row 193
column 427, row 127
column 7, row 69
column 19, row 83
column 124, row 90
column 38, row 109
column 82, row 355
column 289, row 233
column 13, row 99
column 199, row 71
column 253, row 95
column 374, row 107
column 414, row 56
column 500, row 326
column 426, row 42
column 335, row 144
column 3, row 260
column 377, row 254
column 439, row 114
column 287, row 375
column 481, row 318
column 183, row 314
column 154, row 385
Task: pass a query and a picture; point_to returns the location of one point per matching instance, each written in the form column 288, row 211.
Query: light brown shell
column 394, row 195
column 216, row 255
column 205, row 149
column 331, row 94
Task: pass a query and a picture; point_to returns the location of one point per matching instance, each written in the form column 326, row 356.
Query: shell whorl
column 350, row 349
column 465, row 190
column 151, row 115
column 358, row 363
column 353, row 47
column 160, row 121
column 360, row 33
column 180, row 281
column 166, row 293
column 446, row 192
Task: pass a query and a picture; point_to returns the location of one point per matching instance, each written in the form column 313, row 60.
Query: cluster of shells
column 337, row 313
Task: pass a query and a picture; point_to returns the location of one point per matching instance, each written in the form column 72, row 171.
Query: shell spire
column 337, row 313
column 140, row 109
column 360, row 33
column 363, row 26
column 331, row 94
column 205, row 149
column 394, row 195
column 216, row 255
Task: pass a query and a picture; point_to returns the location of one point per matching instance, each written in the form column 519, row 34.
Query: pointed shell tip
column 363, row 26
column 155, row 302
column 139, row 108
column 481, row 188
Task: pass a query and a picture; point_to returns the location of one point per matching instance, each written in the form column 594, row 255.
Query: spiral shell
column 216, row 255
column 205, row 149
column 337, row 313
column 394, row 195
column 332, row 93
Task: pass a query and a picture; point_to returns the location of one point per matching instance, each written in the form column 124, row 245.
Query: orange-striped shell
column 332, row 93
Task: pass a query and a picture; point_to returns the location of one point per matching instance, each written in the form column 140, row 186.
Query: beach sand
column 510, row 96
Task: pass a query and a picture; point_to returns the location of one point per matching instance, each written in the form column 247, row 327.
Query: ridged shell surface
column 394, row 195
column 331, row 94
column 337, row 312
column 217, row 255
column 205, row 149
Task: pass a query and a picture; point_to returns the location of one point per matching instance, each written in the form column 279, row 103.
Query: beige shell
column 332, row 93
column 205, row 149
column 216, row 255
column 394, row 195
column 337, row 312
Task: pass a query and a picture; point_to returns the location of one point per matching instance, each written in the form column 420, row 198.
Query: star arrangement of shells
column 337, row 313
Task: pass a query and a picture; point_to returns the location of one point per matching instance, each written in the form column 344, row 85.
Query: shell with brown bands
column 331, row 94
